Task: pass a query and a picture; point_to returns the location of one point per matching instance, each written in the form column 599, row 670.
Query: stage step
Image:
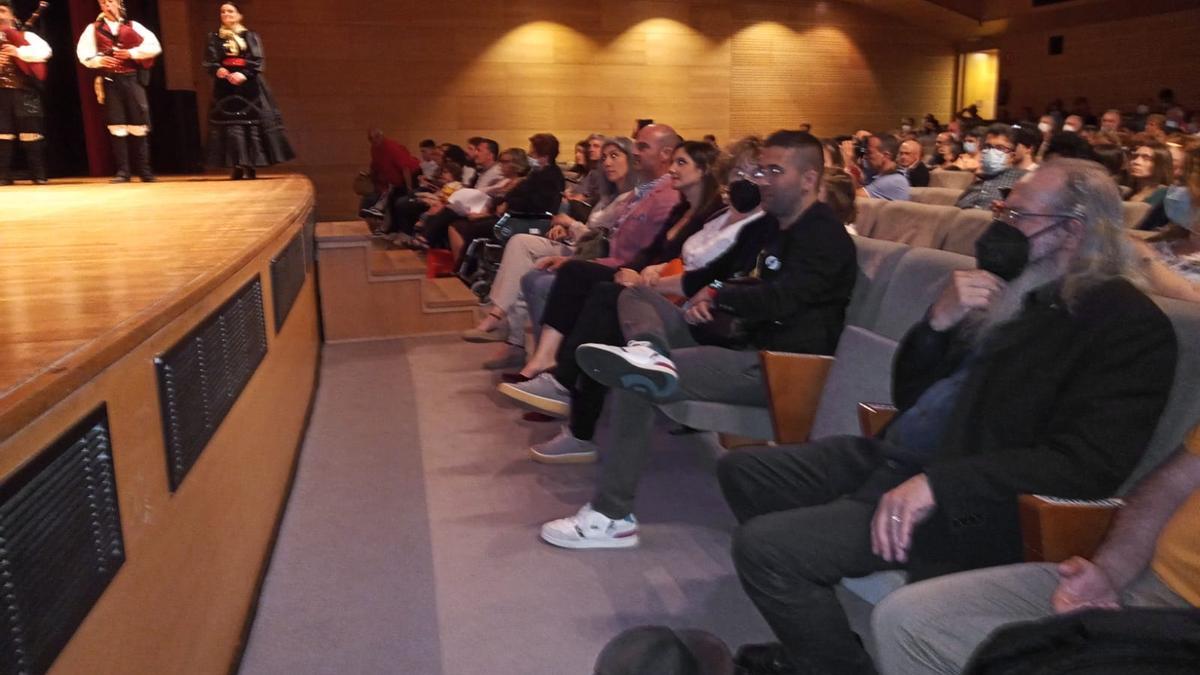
column 396, row 262
column 372, row 292
column 447, row 293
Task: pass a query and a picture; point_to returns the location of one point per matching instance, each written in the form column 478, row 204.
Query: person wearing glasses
column 996, row 173
column 805, row 273
column 1043, row 371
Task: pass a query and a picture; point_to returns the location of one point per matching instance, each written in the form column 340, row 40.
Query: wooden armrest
column 794, row 384
column 873, row 417
column 1053, row 530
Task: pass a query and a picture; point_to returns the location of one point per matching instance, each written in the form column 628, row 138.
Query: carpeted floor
column 410, row 542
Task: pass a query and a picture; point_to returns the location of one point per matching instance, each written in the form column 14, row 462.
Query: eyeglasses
column 1010, row 216
column 991, row 146
column 768, row 173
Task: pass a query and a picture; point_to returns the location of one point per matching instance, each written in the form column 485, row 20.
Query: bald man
column 909, row 160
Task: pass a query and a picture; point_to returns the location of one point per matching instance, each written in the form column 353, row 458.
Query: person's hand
column 699, row 308
column 627, row 277
column 967, row 290
column 550, row 263
column 898, row 514
column 122, row 54
column 109, row 62
column 651, row 275
column 222, row 73
column 562, row 219
column 237, row 78
column 1083, row 585
column 557, row 233
column 9, row 51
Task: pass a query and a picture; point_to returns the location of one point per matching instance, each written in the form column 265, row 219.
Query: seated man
column 1044, row 371
column 996, row 174
column 1151, row 558
column 887, row 181
column 807, row 271
column 911, row 166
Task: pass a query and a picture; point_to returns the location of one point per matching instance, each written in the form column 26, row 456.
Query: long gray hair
column 1105, row 250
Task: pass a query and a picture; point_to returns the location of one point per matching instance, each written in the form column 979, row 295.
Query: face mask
column 535, row 163
column 993, row 160
column 1044, row 127
column 744, row 196
column 1143, row 109
column 905, row 128
column 1069, row 128
column 1178, row 205
column 970, row 147
column 1003, row 250
column 1172, row 124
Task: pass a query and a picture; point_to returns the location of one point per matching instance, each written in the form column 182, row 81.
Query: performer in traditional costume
column 23, row 57
column 123, row 51
column 245, row 127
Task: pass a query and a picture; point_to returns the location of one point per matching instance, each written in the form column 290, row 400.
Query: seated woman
column 725, row 249
column 1172, row 258
column 1151, row 171
column 972, row 147
column 523, row 250
column 692, row 174
column 514, row 165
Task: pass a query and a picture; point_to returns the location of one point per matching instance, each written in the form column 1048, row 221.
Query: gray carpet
column 410, row 541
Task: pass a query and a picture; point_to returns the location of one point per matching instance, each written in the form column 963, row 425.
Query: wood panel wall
column 1113, row 63
column 509, row 68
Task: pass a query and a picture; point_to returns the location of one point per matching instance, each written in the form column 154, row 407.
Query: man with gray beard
column 1044, row 371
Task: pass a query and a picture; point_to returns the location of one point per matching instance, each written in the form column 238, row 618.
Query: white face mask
column 1044, row 127
column 905, row 128
column 993, row 160
column 1070, row 128
column 970, row 147
column 1143, row 109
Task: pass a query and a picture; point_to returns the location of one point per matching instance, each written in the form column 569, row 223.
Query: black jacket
column 738, row 261
column 540, row 192
column 1060, row 402
column 807, row 274
column 918, row 175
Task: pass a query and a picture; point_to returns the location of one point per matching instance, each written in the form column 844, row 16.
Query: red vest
column 126, row 38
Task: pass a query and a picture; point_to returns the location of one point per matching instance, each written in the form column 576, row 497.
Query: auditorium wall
column 1113, row 63
column 509, row 68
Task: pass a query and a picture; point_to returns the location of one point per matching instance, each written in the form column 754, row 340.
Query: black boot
column 251, row 174
column 35, row 153
column 238, row 173
column 141, row 157
column 6, row 155
column 120, row 148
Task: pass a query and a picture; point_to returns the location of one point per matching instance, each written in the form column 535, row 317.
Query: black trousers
column 21, row 112
column 405, row 213
column 573, row 283
column 800, row 534
column 125, row 101
column 599, row 322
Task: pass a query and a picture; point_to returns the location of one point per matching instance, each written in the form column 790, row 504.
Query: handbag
column 363, row 185
column 592, row 245
column 726, row 329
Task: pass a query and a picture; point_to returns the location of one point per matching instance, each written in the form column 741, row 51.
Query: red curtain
column 99, row 150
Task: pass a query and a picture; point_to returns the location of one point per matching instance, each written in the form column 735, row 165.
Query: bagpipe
column 16, row 36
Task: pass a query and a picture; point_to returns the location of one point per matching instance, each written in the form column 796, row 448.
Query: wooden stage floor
column 89, row 269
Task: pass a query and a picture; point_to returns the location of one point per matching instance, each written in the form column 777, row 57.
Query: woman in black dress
column 245, row 127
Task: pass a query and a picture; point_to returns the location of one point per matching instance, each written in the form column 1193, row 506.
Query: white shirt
column 89, row 55
column 37, row 51
column 490, row 176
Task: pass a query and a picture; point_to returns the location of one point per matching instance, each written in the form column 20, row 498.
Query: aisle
column 410, row 542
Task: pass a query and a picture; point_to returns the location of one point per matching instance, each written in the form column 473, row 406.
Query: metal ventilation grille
column 287, row 277
column 60, row 544
column 201, row 377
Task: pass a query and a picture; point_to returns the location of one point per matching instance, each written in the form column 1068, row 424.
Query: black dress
column 244, row 124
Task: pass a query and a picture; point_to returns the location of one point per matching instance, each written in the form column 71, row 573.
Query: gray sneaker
column 564, row 449
column 543, row 393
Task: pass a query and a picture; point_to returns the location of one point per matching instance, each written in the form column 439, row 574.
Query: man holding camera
column 886, row 181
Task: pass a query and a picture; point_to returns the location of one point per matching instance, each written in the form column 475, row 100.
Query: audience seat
column 938, row 196
column 959, row 180
column 967, row 226
column 913, row 224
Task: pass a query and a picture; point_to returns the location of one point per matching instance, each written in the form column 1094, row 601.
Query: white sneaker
column 636, row 366
column 591, row 529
